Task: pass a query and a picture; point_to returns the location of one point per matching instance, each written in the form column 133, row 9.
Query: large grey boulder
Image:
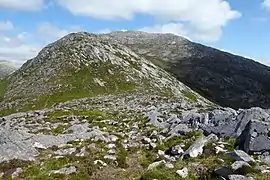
column 153, row 116
column 197, row 148
column 250, row 127
column 20, row 144
column 255, row 137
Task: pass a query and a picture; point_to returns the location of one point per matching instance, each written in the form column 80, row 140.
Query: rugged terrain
column 82, row 65
column 88, row 107
column 222, row 77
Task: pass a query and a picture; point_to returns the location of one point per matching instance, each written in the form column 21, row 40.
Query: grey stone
column 183, row 173
column 180, row 129
column 197, row 148
column 154, row 121
column 64, row 152
column 19, row 144
column 239, row 155
column 238, row 165
column 155, row 164
column 239, row 177
column 110, row 157
column 66, row 171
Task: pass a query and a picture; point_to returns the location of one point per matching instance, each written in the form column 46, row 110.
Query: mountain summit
column 224, row 78
column 83, row 64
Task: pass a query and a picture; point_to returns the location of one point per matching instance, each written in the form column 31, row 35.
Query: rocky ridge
column 83, row 64
column 224, row 78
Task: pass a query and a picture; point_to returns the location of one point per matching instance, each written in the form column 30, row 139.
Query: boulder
column 239, row 177
column 239, row 155
column 155, row 164
column 183, row 173
column 174, row 151
column 255, row 137
column 227, row 124
column 240, row 166
column 223, row 171
column 154, row 120
column 197, row 148
column 65, row 171
column 180, row 129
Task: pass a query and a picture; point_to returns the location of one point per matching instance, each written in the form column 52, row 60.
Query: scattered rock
column 96, row 162
column 169, row 165
column 174, row 151
column 155, row 164
column 111, row 146
column 183, row 173
column 16, row 172
column 110, row 157
column 64, row 152
column 65, row 171
column 239, row 177
column 112, row 151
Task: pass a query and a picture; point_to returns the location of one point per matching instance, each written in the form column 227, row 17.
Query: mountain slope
column 224, row 78
column 6, row 68
column 82, row 65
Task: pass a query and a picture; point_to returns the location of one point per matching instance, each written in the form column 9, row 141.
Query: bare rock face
column 222, row 77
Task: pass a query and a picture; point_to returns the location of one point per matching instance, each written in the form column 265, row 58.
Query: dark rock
column 255, row 137
column 174, row 151
column 223, row 172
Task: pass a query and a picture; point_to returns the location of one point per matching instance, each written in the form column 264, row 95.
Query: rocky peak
column 84, row 64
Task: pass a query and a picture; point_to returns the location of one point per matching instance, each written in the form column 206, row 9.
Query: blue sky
column 238, row 26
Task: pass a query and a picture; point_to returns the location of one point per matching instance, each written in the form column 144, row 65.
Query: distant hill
column 6, row 68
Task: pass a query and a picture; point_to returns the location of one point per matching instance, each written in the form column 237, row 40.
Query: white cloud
column 203, row 18
column 22, row 46
column 6, row 26
column 49, row 32
column 22, row 5
column 266, row 4
column 17, row 48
